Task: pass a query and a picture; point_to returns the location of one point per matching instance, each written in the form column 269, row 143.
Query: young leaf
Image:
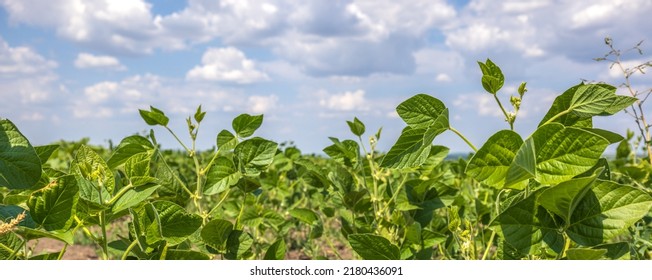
column 356, row 126
column 53, row 207
column 492, row 76
column 199, row 115
column 606, row 211
column 128, row 147
column 20, row 166
column 245, row 125
column 88, row 165
column 423, row 111
column 226, row 140
column 154, row 117
column 491, row 162
column 373, row 247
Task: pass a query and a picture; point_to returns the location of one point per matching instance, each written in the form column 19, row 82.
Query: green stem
column 183, row 185
column 105, row 248
column 567, row 242
column 220, row 202
column 131, row 247
column 511, row 124
column 555, row 117
column 178, row 140
column 463, row 138
column 237, row 220
column 63, row 251
column 491, row 241
column 120, row 194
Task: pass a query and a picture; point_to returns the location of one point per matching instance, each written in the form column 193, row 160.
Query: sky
column 71, row 68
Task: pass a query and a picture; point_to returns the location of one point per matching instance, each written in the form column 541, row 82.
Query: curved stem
column 491, row 241
column 178, row 140
column 131, row 247
column 463, row 138
column 511, row 123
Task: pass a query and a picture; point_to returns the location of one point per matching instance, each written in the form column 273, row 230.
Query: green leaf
column 238, row 244
column 492, row 76
column 8, row 212
column 10, row 245
column 563, row 198
column 20, row 166
column 410, row 150
column 45, row 152
column 53, row 207
column 276, row 251
column 146, row 226
column 90, row 166
column 373, row 247
column 607, row 135
column 199, row 115
column 221, row 176
column 346, row 151
column 176, row 223
column 585, row 253
column 255, row 155
column 174, row 254
column 606, row 211
column 61, row 235
column 305, row 215
column 245, row 125
column 137, row 169
column 127, row 148
column 134, row 196
column 226, row 140
column 615, row 251
column 585, row 101
column 491, row 162
column 423, row 111
column 356, row 126
column 216, row 234
column 154, row 117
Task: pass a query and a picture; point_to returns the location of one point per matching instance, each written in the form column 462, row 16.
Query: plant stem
column 511, row 123
column 220, row 202
column 178, row 140
column 491, row 241
column 131, row 247
column 463, row 138
column 104, row 243
column 120, row 194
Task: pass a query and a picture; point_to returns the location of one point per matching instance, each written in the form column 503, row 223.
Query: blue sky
column 71, row 69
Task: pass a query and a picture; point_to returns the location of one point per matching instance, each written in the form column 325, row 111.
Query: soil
column 73, row 252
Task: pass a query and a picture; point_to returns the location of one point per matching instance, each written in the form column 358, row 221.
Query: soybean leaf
column 90, row 166
column 616, row 251
column 134, row 196
column 423, row 111
column 154, row 117
column 176, row 223
column 175, row 254
column 199, row 115
column 276, row 251
column 305, row 215
column 563, row 198
column 137, row 169
column 245, row 125
column 222, row 175
column 373, row 247
column 255, row 155
column 8, row 212
column 45, row 152
column 128, row 147
column 356, row 126
column 10, row 245
column 216, row 234
column 346, row 151
column 585, row 253
column 226, row 140
column 492, row 76
column 410, row 150
column 491, row 162
column 20, row 166
column 238, row 244
column 606, row 211
column 61, row 235
column 146, row 226
column 53, row 207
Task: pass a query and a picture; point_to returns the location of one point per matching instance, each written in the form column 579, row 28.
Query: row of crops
column 548, row 195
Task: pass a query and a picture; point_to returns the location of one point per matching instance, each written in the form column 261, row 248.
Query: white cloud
column 86, row 60
column 443, row 77
column 483, row 103
column 347, row 101
column 22, row 61
column 262, row 104
column 226, row 65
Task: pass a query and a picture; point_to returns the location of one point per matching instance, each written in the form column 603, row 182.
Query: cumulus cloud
column 87, row 60
column 226, row 65
column 346, row 101
column 22, row 61
column 262, row 104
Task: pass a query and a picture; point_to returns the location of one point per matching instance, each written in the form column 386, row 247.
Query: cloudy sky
column 71, row 68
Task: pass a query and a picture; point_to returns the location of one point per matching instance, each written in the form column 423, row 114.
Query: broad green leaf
column 423, row 111
column 45, row 152
column 222, row 175
column 563, row 198
column 436, row 157
column 585, row 253
column 245, row 125
column 607, row 135
column 53, row 207
column 10, row 245
column 276, row 251
column 255, row 155
column 216, row 233
column 238, row 244
column 154, row 117
column 61, row 235
column 410, row 150
column 137, row 169
column 305, row 215
column 373, row 247
column 356, row 126
column 174, row 254
column 524, row 224
column 146, row 226
column 491, row 162
column 606, row 211
column 615, row 251
column 128, row 147
column 248, row 184
column 585, row 101
column 226, row 140
column 176, row 223
column 20, row 166
column 523, row 167
column 90, row 166
column 134, row 196
column 492, row 77
column 8, row 212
